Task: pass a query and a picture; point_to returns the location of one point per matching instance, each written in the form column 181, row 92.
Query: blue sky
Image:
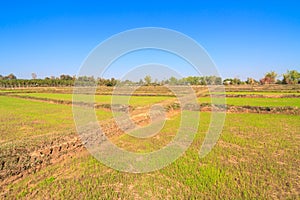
column 244, row 38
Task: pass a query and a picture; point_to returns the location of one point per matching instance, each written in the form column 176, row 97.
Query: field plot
column 264, row 102
column 266, row 93
column 256, row 156
column 24, row 118
column 103, row 99
column 101, row 90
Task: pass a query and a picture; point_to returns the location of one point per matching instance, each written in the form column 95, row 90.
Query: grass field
column 274, row 93
column 256, row 156
column 21, row 118
column 251, row 160
column 266, row 93
column 104, row 99
column 148, row 100
column 265, row 102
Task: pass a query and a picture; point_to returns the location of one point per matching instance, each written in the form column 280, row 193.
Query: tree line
column 290, row 77
column 11, row 81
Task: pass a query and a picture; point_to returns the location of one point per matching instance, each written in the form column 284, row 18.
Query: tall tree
column 251, row 81
column 291, row 77
column 148, row 79
column 173, row 81
column 270, row 78
column 11, row 77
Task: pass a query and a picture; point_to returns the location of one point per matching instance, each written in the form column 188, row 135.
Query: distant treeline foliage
column 11, row 81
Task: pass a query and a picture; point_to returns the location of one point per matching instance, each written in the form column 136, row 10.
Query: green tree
column 213, row 80
column 193, row 80
column 173, row 81
column 11, row 77
column 251, row 81
column 218, row 81
column 66, row 77
column 148, row 79
column 236, row 81
column 227, row 81
column 291, row 77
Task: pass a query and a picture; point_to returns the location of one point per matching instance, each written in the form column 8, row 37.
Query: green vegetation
column 264, row 102
column 104, row 99
column 22, row 118
column 270, row 93
column 253, row 159
column 291, row 77
column 11, row 81
column 256, row 156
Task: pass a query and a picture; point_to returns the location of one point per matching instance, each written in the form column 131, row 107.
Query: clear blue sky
column 244, row 38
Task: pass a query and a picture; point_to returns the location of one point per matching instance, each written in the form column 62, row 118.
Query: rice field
column 264, row 102
column 103, row 99
column 256, row 156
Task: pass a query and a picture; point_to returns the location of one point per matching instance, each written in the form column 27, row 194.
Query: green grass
column 22, row 118
column 4, row 91
column 104, row 99
column 270, row 93
column 265, row 102
column 265, row 93
column 255, row 158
